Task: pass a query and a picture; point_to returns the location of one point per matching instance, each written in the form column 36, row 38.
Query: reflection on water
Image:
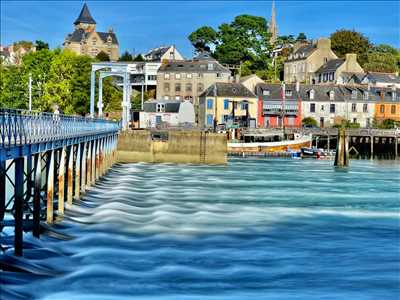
column 255, row 229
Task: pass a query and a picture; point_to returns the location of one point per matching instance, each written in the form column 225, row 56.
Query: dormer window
column 160, row 107
column 210, row 67
column 331, row 95
column 288, row 93
column 354, row 94
column 312, row 94
column 266, row 92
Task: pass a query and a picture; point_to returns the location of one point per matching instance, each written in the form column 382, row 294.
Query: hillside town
column 316, row 88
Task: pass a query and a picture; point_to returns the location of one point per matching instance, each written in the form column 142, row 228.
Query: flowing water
column 255, row 229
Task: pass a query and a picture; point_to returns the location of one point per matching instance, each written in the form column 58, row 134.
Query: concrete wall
column 181, row 147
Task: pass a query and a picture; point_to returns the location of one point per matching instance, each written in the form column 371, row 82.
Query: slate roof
column 303, row 52
column 85, row 16
column 171, row 106
column 275, row 91
column 330, row 66
column 387, row 94
column 347, row 76
column 382, row 77
column 194, row 66
column 221, row 89
column 156, row 53
column 204, row 56
column 79, row 34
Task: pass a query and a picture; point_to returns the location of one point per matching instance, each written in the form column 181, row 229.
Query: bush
column 309, row 122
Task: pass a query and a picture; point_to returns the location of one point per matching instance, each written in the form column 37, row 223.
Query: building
column 332, row 70
column 251, row 82
column 387, row 103
column 167, row 113
column 144, row 74
column 350, row 78
column 273, row 28
column 227, row 104
column 271, row 104
column 86, row 40
column 163, row 54
column 12, row 55
column 186, row 80
column 306, row 59
column 330, row 105
column 376, row 79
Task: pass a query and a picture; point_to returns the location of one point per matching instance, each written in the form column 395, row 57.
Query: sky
column 142, row 25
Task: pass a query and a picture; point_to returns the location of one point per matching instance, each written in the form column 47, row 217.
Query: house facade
column 163, row 54
column 186, row 80
column 306, row 59
column 387, row 104
column 227, row 104
column 85, row 40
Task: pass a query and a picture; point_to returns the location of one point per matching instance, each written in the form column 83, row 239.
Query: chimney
column 351, row 61
column 324, row 43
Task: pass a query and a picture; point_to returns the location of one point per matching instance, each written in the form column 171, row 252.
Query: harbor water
column 257, row 228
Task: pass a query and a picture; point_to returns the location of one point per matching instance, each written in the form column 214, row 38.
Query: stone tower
column 85, row 20
column 273, row 29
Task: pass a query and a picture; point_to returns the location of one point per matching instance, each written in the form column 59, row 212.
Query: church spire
column 85, row 17
column 273, row 29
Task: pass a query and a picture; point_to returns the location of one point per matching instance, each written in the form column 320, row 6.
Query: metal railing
column 22, row 127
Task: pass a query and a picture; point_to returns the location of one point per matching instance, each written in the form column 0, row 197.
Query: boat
column 318, row 153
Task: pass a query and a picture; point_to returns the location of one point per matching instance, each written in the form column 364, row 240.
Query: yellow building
column 87, row 41
column 227, row 104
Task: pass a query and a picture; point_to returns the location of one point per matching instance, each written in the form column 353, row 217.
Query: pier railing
column 21, row 127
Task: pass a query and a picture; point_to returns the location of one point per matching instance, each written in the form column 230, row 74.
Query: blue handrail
column 22, row 127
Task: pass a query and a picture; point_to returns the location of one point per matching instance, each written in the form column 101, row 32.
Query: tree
column 139, row 57
column 102, row 56
column 383, row 58
column 301, row 37
column 309, row 122
column 350, row 41
column 40, row 45
column 203, row 38
column 126, row 56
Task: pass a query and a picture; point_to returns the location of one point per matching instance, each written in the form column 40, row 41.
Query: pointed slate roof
column 85, row 16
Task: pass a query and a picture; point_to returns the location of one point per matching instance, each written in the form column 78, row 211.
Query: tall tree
column 126, row 56
column 301, row 37
column 203, row 38
column 102, row 56
column 383, row 58
column 350, row 41
column 139, row 57
column 40, row 45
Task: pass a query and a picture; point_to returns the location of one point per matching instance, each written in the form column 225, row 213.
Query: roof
column 79, row 34
column 330, row 66
column 204, row 56
column 347, row 76
column 382, row 77
column 156, row 53
column 85, row 16
column 211, row 66
column 303, row 52
column 170, row 106
column 224, row 89
column 275, row 91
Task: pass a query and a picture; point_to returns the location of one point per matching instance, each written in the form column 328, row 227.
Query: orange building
column 387, row 105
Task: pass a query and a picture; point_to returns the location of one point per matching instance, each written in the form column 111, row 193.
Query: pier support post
column 329, row 143
column 396, row 145
column 342, row 155
column 19, row 205
column 50, row 185
column 36, row 194
column 83, row 170
column 94, row 158
column 101, row 156
column 78, row 172
column 97, row 159
column 69, row 174
column 88, row 164
column 61, row 182
column 372, row 146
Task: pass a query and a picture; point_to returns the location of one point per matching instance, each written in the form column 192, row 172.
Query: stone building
column 306, row 59
column 227, row 104
column 186, row 80
column 86, row 40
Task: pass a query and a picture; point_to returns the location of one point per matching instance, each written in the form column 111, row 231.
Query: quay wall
column 172, row 146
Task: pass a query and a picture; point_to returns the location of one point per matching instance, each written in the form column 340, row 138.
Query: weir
column 46, row 160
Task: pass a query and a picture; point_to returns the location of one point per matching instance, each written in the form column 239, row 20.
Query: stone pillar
column 342, row 155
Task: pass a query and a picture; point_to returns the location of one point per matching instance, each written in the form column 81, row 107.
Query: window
column 166, row 97
column 393, row 109
column 353, row 94
column 332, row 95
column 244, row 106
column 322, row 107
column 177, row 76
column 331, row 76
column 166, row 76
column 365, row 107
column 183, row 75
column 94, row 41
column 288, row 93
column 382, row 109
column 325, row 77
column 188, row 87
column 210, row 120
column 354, row 107
column 266, row 92
column 332, row 108
column 368, row 122
column 226, row 104
column 220, row 75
column 189, row 75
column 225, row 118
column 166, row 87
column 354, row 120
column 210, row 103
column 366, row 96
column 200, row 75
column 320, row 78
column 312, row 107
column 177, row 87
column 200, row 87
column 177, row 97
column 325, row 59
column 160, row 107
column 210, row 67
column 151, row 77
column 312, row 94
column 321, row 122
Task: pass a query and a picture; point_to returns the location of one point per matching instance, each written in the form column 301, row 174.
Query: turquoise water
column 255, row 229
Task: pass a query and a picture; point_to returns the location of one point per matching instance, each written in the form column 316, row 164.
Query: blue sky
column 141, row 25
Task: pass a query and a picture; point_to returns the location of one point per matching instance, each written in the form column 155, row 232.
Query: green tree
column 309, row 122
column 40, row 45
column 203, row 38
column 350, row 41
column 301, row 37
column 126, row 56
column 139, row 57
column 102, row 56
column 383, row 58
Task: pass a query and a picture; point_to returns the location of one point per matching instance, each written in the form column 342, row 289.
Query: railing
column 349, row 131
column 21, row 127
